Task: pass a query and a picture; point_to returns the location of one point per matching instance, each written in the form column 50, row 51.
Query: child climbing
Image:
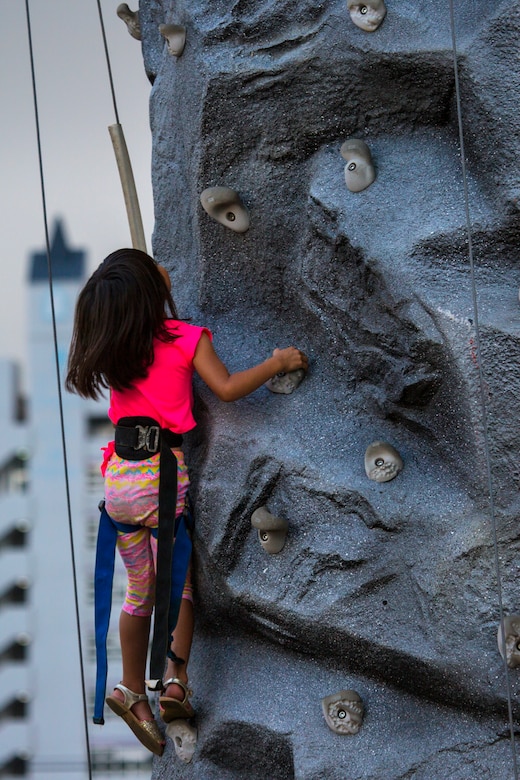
column 124, row 341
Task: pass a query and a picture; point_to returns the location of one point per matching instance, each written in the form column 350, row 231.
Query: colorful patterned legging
column 131, row 496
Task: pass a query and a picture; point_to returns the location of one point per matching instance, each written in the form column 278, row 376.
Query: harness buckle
column 148, row 438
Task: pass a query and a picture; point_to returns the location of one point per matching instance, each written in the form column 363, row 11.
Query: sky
column 75, row 108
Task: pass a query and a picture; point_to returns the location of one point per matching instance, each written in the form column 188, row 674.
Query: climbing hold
column 285, row 382
column 367, row 14
column 225, row 206
column 512, row 640
column 175, row 35
column 359, row 170
column 382, row 461
column 131, row 19
column 184, row 738
column 343, row 712
column 272, row 531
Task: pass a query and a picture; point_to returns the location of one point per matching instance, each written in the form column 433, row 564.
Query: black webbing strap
column 165, row 535
column 138, row 438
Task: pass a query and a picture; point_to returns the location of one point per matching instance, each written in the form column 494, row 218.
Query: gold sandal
column 173, row 709
column 146, row 731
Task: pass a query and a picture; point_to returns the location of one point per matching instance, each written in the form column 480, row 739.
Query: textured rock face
column 388, row 589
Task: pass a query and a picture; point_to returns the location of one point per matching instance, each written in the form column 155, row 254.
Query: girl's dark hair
column 119, row 312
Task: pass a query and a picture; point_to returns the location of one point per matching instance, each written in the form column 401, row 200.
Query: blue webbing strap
column 103, row 580
column 180, row 563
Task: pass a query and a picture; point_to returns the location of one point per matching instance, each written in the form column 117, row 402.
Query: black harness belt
column 138, row 438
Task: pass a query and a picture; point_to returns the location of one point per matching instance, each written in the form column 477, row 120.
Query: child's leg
column 181, row 645
column 134, row 623
column 134, row 633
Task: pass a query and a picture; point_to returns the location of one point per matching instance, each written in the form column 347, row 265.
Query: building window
column 100, row 427
column 15, row 708
column 108, row 762
column 16, row 766
column 14, row 475
column 94, row 479
column 15, row 593
column 16, row 650
column 91, row 530
column 17, row 535
column 113, row 647
column 118, row 587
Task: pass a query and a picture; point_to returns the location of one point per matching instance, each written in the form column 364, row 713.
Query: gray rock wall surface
column 389, row 589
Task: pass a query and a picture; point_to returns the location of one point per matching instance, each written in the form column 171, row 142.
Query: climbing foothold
column 184, row 738
column 359, row 170
column 175, row 35
column 512, row 640
column 382, row 461
column 285, row 382
column 131, row 19
column 225, row 206
column 343, row 712
column 367, row 14
column 272, row 531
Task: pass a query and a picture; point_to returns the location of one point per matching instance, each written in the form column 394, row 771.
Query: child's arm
column 230, row 387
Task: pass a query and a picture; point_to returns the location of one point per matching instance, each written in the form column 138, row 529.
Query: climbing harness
column 482, row 391
column 138, row 438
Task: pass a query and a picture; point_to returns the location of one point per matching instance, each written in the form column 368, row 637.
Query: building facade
column 50, row 487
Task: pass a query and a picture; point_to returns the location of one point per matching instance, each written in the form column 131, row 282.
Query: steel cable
column 482, row 392
column 58, row 382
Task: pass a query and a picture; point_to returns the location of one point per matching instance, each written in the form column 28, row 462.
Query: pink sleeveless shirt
column 166, row 394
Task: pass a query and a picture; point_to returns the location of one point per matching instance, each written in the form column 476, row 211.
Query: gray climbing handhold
column 272, row 531
column 367, row 14
column 359, row 170
column 184, row 738
column 343, row 712
column 175, row 35
column 285, row 382
column 382, row 461
column 225, row 206
column 512, row 640
column 131, row 19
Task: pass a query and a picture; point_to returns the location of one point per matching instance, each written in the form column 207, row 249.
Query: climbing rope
column 123, row 158
column 482, row 391
column 107, row 58
column 58, row 382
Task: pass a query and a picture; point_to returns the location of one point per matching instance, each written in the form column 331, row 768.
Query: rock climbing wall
column 386, row 589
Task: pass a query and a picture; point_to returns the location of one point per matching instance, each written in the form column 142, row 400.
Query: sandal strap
column 131, row 697
column 175, row 681
column 154, row 685
column 175, row 658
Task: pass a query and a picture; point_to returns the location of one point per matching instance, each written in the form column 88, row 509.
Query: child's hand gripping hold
column 230, row 387
column 291, row 358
